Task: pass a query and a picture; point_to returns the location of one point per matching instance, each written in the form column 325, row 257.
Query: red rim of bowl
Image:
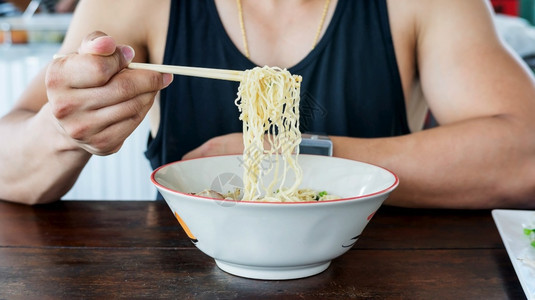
column 383, row 191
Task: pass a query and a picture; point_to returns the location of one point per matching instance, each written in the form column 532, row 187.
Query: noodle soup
column 279, row 229
column 274, row 240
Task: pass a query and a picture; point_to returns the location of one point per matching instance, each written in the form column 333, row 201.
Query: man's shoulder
column 135, row 23
column 414, row 10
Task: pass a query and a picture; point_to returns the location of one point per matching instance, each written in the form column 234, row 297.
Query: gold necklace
column 244, row 36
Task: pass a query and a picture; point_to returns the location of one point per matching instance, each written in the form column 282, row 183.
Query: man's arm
column 483, row 154
column 38, row 163
column 85, row 103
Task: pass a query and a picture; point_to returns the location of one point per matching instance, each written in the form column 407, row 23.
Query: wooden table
column 90, row 249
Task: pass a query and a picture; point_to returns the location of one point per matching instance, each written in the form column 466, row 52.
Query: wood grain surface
column 133, row 249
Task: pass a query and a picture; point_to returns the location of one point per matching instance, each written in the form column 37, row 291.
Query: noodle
column 268, row 102
column 268, row 99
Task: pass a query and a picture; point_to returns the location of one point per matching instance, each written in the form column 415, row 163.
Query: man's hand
column 97, row 101
column 225, row 144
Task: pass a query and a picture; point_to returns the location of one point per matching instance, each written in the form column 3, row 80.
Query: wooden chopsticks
column 223, row 74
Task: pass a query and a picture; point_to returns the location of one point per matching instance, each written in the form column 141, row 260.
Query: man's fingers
column 231, row 143
column 98, row 59
column 92, row 123
column 129, row 95
column 88, row 70
column 97, row 43
column 125, row 86
column 96, row 99
column 131, row 83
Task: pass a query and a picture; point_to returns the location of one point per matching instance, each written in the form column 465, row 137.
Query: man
column 482, row 155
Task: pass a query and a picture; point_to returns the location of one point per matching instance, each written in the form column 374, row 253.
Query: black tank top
column 351, row 84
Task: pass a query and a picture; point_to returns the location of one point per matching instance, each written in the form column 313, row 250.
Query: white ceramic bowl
column 274, row 240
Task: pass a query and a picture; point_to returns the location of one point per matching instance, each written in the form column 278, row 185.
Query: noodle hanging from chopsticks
column 268, row 100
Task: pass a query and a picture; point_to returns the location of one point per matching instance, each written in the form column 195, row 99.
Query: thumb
column 98, row 43
column 100, row 56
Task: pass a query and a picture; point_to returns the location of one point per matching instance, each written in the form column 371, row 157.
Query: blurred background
column 31, row 33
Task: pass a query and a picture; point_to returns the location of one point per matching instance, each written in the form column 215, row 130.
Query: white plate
column 509, row 223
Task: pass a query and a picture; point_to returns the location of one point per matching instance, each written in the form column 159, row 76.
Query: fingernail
column 128, row 53
column 98, row 37
column 167, row 79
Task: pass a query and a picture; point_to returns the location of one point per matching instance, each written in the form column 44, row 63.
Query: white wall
column 121, row 176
